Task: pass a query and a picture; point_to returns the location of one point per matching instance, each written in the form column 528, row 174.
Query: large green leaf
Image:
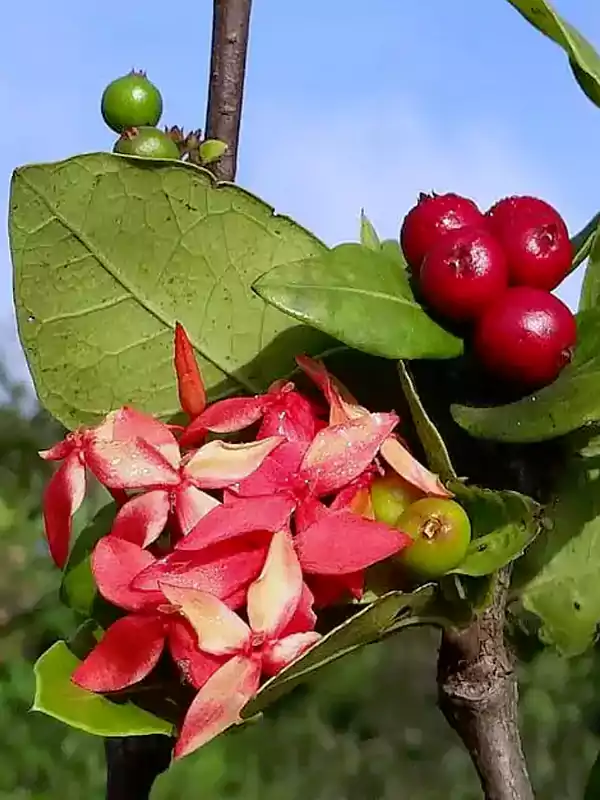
column 388, row 613
column 359, row 296
column 435, row 448
column 109, row 252
column 504, row 524
column 58, row 697
column 558, row 576
column 584, row 60
column 78, row 588
column 573, row 400
column 590, row 288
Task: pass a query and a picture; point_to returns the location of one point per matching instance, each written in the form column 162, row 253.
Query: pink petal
column 407, row 466
column 340, row 453
column 195, row 666
column 304, row 618
column 191, row 506
column 127, row 423
column 225, row 416
column 356, row 497
column 277, row 473
column 237, row 517
column 291, row 416
column 280, row 654
column 61, row 450
column 219, row 629
column 63, row 495
column 128, row 651
column 274, row 596
column 343, row 407
column 143, row 518
column 342, row 542
column 218, row 704
column 115, row 563
column 220, row 464
column 130, row 464
column 192, row 395
column 222, row 569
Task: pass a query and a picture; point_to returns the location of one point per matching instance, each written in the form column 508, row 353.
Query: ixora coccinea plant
column 263, row 518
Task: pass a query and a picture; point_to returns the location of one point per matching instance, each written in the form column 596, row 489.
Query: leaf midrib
column 112, row 270
column 348, row 289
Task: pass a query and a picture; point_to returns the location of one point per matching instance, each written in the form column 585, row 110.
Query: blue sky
column 348, row 103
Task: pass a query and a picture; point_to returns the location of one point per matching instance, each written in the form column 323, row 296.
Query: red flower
column 344, row 407
column 66, row 489
column 263, row 646
column 132, row 646
column 171, row 482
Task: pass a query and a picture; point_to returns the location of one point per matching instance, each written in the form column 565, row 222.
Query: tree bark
column 133, row 763
column 231, row 23
column 478, row 695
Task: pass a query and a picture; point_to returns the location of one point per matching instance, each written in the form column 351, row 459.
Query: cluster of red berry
column 496, row 271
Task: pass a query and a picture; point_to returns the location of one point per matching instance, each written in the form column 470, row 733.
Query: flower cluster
column 221, row 553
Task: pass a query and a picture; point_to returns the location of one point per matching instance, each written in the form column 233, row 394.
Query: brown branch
column 133, row 763
column 231, row 22
column 478, row 695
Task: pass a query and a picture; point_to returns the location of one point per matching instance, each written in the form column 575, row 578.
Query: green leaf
column 109, row 252
column 584, row 60
column 438, row 457
column 58, row 697
column 590, row 288
column 558, row 576
column 573, row 400
column 391, row 248
column 360, row 297
column 78, row 588
column 211, row 150
column 368, row 234
column 582, row 241
column 387, row 614
column 503, row 524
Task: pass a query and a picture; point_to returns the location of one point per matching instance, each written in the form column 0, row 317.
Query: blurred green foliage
column 369, row 728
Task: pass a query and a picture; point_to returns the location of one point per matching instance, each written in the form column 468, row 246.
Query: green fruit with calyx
column 131, row 102
column 441, row 533
column 146, row 142
column 391, row 496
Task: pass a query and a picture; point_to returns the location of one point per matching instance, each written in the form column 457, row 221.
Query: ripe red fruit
column 430, row 220
column 464, row 273
column 526, row 337
column 535, row 239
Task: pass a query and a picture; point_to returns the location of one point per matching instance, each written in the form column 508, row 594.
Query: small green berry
column 441, row 533
column 147, row 142
column 131, row 102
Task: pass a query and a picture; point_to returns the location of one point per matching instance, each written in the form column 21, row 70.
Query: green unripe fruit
column 146, row 142
column 391, row 496
column 441, row 533
column 131, row 102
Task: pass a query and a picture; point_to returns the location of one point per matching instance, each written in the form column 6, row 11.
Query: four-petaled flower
column 262, row 646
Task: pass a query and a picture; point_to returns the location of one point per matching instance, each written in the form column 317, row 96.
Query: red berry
column 535, row 239
column 464, row 273
column 433, row 217
column 526, row 337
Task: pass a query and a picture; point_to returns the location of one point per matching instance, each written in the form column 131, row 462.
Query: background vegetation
column 341, row 739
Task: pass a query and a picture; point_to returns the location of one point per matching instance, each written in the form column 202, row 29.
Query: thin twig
column 231, row 23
